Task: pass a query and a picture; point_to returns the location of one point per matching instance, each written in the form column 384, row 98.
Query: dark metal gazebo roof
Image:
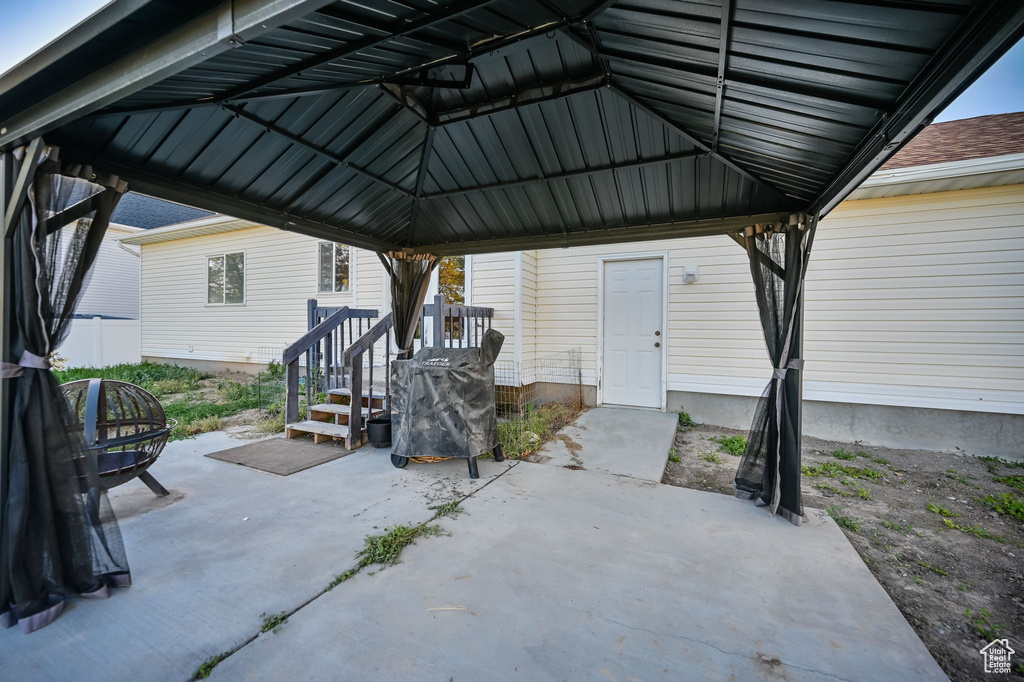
column 481, row 125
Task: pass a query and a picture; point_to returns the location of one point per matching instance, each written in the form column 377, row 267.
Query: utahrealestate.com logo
column 997, row 655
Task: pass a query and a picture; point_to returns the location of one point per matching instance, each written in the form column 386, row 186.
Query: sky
column 31, row 24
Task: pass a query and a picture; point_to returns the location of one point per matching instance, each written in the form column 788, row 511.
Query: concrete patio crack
column 210, row 663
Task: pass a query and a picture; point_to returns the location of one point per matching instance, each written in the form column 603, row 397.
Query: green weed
column 836, row 470
column 864, row 494
column 975, row 530
column 844, row 521
column 952, row 474
column 448, row 509
column 710, row 457
column 879, row 460
column 932, row 568
column 940, row 510
column 829, row 488
column 673, row 456
column 685, row 420
column 386, row 548
column 273, row 621
column 208, row 665
column 962, row 585
column 983, row 624
column 339, row 579
column 733, row 445
column 842, row 453
column 1006, row 504
column 896, row 527
column 1012, row 481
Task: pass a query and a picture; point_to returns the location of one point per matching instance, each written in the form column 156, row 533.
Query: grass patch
column 940, row 510
column 733, row 445
column 842, row 453
column 524, row 433
column 684, row 419
column 864, row 493
column 844, row 521
column 673, row 456
column 157, row 378
column 386, row 548
column 983, row 625
column 975, row 530
column 197, row 416
column 207, row 666
column 709, row 457
column 1006, row 504
column 837, row 470
column 273, row 622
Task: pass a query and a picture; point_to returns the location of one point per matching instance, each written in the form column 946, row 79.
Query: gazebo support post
column 769, row 472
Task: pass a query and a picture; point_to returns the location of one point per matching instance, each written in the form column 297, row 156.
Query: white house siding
column 281, row 274
column 914, row 301
column 113, row 287
column 494, row 287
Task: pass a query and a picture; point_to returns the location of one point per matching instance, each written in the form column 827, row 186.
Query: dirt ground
column 953, row 565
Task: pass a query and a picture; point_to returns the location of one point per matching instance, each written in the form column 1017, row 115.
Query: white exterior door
column 633, row 340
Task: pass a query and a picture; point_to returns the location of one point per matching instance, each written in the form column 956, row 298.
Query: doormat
column 281, row 456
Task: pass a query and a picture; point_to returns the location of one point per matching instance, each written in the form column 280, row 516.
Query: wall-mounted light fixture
column 690, row 274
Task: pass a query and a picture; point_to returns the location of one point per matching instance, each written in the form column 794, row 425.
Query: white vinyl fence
column 98, row 342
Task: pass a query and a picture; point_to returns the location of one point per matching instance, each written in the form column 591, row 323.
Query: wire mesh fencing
column 535, row 399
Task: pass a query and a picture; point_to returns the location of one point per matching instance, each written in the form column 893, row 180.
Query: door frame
column 646, row 255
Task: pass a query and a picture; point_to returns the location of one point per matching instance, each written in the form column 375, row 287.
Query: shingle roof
column 969, row 138
column 139, row 210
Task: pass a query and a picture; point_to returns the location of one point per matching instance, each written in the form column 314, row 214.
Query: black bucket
column 379, row 432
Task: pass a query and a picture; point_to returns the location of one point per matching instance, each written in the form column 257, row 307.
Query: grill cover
column 443, row 401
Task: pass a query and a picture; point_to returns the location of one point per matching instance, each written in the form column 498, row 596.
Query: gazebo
column 423, row 128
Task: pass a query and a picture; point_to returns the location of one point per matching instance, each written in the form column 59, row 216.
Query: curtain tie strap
column 9, row 370
column 795, row 363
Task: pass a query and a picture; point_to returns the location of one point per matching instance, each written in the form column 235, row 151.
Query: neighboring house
column 105, row 330
column 914, row 332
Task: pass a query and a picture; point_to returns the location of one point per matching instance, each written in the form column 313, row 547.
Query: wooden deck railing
column 457, row 326
column 353, row 358
column 323, row 346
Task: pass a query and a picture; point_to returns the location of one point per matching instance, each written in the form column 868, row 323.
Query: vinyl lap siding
column 113, row 285
column 915, row 301
column 280, row 273
column 494, row 287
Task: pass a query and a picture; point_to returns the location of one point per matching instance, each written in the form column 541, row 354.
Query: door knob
column 657, row 345
column 658, row 333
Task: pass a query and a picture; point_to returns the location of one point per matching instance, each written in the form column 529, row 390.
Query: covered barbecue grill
column 443, row 404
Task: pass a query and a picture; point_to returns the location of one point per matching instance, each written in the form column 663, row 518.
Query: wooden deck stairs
column 329, row 421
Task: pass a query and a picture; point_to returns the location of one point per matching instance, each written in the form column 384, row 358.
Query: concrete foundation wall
column 978, row 433
column 209, row 365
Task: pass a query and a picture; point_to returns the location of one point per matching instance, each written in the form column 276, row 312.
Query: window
column 333, row 267
column 225, row 278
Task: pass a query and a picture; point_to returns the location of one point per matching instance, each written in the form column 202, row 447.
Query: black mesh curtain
column 410, row 279
column 58, row 535
column 770, row 469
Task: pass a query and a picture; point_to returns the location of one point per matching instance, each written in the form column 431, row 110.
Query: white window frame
column 245, row 278
column 351, row 269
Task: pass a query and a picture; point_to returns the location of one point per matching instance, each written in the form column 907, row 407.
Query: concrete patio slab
column 614, row 440
column 555, row 574
column 229, row 544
